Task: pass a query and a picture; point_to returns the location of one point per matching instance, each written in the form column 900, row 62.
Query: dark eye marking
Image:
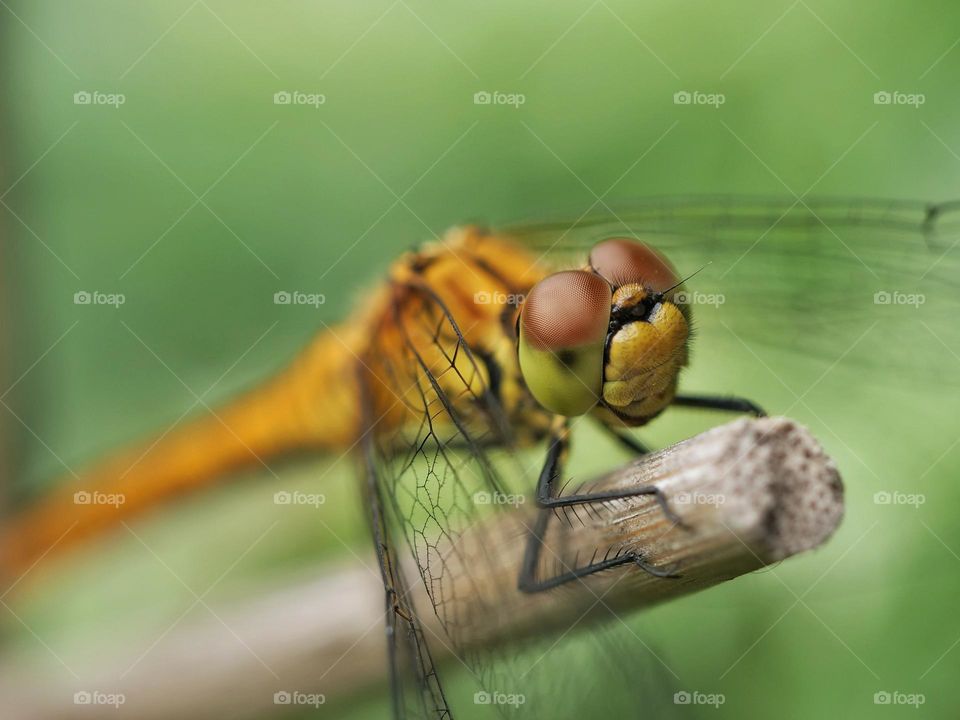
column 567, row 357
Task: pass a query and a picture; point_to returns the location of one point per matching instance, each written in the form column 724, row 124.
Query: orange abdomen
column 310, row 406
column 314, row 405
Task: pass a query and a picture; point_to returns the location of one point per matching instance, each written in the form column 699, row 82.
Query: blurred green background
column 320, row 198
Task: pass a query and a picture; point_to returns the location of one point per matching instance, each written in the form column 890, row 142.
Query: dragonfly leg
column 720, row 402
column 547, row 501
column 628, row 441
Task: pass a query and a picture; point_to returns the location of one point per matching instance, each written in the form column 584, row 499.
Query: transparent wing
column 425, row 383
column 416, row 690
column 448, row 474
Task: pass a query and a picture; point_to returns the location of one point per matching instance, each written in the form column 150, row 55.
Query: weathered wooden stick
column 748, row 493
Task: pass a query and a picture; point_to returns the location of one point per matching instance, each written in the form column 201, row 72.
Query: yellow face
column 608, row 338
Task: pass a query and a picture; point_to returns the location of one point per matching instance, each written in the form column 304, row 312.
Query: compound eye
column 563, row 329
column 623, row 261
column 566, row 310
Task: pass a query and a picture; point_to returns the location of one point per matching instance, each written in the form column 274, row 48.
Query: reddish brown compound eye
column 563, row 329
column 566, row 310
column 622, row 261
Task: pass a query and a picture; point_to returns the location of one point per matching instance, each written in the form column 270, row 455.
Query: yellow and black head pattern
column 609, row 338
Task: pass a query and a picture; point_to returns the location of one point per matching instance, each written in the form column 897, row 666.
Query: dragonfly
column 492, row 344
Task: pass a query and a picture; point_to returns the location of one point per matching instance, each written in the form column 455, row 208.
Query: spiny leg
column 546, row 500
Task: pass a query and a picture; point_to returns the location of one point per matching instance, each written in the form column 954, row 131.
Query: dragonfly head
column 607, row 338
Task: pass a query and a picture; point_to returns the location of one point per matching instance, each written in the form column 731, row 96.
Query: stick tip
column 787, row 476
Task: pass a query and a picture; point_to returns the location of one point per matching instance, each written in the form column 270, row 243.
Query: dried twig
column 748, row 494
